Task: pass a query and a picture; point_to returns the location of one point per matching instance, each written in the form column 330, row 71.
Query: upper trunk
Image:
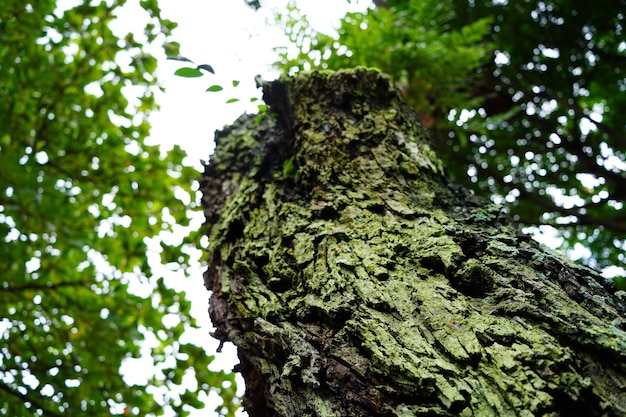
column 355, row 281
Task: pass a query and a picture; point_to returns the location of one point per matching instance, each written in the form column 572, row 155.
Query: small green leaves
column 188, row 72
column 262, row 113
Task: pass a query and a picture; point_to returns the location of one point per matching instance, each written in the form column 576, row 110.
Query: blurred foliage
column 81, row 195
column 525, row 99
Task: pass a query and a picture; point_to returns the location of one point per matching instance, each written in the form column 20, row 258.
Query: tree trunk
column 356, row 281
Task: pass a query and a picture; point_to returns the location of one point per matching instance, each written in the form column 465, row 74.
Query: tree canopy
column 83, row 200
column 525, row 100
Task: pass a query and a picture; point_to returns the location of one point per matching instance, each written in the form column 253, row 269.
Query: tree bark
column 356, row 281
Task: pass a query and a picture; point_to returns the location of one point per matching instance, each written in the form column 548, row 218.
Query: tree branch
column 26, row 398
column 617, row 223
column 44, row 287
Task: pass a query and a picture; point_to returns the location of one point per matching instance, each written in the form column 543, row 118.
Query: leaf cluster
column 548, row 137
column 81, row 196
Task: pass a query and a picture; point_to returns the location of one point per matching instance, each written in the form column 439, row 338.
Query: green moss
column 346, row 245
column 474, row 278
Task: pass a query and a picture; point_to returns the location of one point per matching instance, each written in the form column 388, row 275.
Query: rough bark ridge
column 356, row 281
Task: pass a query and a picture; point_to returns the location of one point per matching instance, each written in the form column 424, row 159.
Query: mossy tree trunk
column 356, row 281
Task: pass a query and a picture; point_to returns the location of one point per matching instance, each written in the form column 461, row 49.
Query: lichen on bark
column 356, row 281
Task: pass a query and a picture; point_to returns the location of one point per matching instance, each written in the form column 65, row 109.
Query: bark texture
column 355, row 281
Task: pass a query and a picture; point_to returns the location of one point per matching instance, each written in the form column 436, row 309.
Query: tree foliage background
column 525, row 100
column 81, row 196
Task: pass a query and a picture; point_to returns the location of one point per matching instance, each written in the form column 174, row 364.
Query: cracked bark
column 356, row 281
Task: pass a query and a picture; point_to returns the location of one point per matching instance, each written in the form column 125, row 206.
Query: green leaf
column 188, row 72
column 232, row 100
column 235, row 83
column 215, row 88
column 289, row 168
column 259, row 118
column 206, row 67
column 620, row 282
